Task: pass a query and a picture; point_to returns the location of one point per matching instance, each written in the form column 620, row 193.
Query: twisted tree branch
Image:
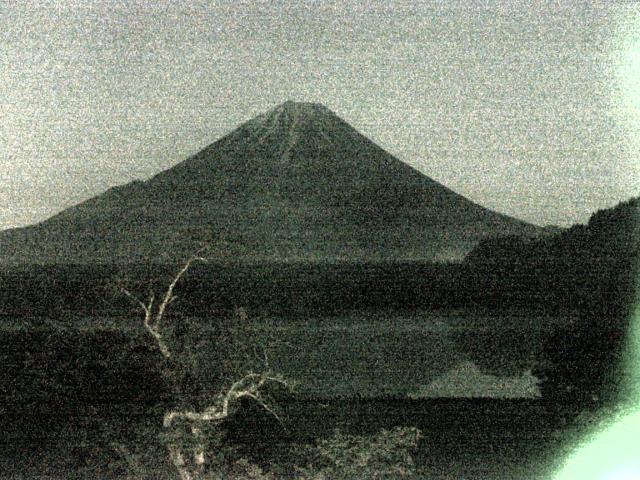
column 152, row 321
column 191, row 467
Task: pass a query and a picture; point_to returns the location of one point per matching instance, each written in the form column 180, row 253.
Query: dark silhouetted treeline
column 589, row 268
column 592, row 269
column 284, row 289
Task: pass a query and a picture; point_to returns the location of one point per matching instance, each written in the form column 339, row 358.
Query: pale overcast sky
column 530, row 108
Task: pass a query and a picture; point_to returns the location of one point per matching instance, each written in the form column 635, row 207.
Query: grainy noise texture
column 530, row 108
column 319, row 239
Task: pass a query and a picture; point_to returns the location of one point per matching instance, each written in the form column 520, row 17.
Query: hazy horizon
column 530, row 110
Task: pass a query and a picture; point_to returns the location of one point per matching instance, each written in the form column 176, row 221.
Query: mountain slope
column 296, row 183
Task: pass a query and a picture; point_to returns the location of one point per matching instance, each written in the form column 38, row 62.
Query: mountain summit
column 295, row 183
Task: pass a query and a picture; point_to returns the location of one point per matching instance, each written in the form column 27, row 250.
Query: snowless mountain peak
column 296, row 183
column 305, row 108
column 293, row 114
column 291, row 123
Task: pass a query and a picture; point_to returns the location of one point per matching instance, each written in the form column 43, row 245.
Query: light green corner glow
column 612, row 452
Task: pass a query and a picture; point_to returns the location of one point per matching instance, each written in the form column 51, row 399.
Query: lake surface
column 401, row 354
column 383, row 353
column 359, row 354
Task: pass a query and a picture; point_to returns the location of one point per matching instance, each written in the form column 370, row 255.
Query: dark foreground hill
column 296, row 183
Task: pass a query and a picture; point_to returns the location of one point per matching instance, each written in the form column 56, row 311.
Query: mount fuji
column 296, row 183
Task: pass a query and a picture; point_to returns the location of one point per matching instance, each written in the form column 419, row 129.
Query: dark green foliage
column 591, row 269
column 207, row 356
column 67, row 366
column 385, row 455
column 582, row 364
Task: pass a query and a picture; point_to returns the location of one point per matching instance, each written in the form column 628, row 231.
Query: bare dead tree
column 190, row 463
column 153, row 319
column 192, row 467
